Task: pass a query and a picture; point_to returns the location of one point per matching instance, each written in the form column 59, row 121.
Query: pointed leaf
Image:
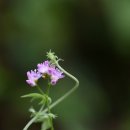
column 46, row 124
column 35, row 96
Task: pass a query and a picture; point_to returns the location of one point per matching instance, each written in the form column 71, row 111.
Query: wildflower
column 55, row 74
column 43, row 67
column 33, row 76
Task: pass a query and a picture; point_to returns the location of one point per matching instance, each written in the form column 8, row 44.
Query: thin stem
column 39, row 89
column 69, row 92
column 48, row 106
column 29, row 123
column 48, row 88
column 33, row 119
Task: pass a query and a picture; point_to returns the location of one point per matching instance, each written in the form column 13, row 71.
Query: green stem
column 39, row 89
column 32, row 120
column 48, row 106
column 48, row 89
column 29, row 123
column 69, row 92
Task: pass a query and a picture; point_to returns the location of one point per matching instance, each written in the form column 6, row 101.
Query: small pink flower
column 33, row 76
column 55, row 74
column 43, row 67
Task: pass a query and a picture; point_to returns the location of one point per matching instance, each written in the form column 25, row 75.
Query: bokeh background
column 93, row 38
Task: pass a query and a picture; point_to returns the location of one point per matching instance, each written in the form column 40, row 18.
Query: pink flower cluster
column 42, row 69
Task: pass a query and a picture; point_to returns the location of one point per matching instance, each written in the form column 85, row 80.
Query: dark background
column 93, row 38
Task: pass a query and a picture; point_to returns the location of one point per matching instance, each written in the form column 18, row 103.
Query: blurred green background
column 93, row 38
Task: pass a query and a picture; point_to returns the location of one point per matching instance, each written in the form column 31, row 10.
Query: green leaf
column 43, row 117
column 51, row 115
column 32, row 95
column 48, row 99
column 32, row 110
column 35, row 96
column 46, row 124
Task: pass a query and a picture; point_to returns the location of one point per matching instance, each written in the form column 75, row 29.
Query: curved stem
column 48, row 106
column 69, row 92
column 33, row 119
column 40, row 90
column 29, row 123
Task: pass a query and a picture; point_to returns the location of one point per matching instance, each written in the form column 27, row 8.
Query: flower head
column 55, row 75
column 33, row 76
column 43, row 67
column 46, row 69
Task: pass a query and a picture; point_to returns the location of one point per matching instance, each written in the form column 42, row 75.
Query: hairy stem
column 69, row 92
column 30, row 123
column 40, row 90
column 33, row 119
column 48, row 106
